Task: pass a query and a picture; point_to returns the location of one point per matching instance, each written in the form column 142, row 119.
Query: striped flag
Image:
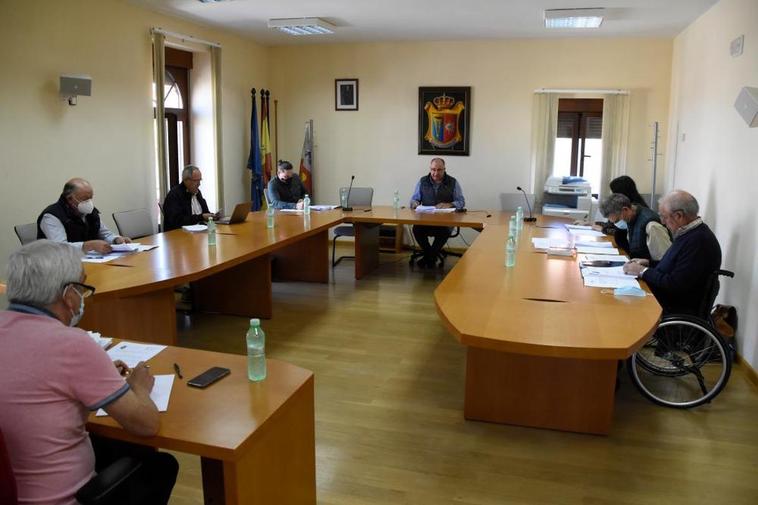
column 306, row 159
column 266, row 161
column 254, row 160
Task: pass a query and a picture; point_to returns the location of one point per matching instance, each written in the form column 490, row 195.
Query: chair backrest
column 8, row 490
column 134, row 223
column 711, row 292
column 265, row 195
column 26, row 232
column 359, row 197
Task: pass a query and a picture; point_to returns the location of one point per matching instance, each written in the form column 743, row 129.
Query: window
column 578, row 143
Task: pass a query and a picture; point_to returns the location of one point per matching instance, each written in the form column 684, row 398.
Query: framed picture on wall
column 444, row 115
column 346, row 94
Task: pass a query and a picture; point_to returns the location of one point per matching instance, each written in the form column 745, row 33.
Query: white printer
column 568, row 197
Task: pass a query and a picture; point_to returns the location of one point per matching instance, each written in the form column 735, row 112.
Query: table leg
column 278, row 466
column 556, row 393
column 366, row 248
column 243, row 290
column 305, row 260
column 149, row 317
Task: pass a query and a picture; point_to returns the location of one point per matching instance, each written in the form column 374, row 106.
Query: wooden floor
column 389, row 424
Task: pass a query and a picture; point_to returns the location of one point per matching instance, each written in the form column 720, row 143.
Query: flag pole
column 276, row 129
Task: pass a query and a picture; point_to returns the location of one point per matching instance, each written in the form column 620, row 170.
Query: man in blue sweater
column 680, row 280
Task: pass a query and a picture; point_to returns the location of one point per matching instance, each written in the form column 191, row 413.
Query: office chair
column 102, row 488
column 265, row 195
column 134, row 223
column 417, row 254
column 359, row 197
column 26, row 232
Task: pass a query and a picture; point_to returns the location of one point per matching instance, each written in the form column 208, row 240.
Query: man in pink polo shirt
column 52, row 375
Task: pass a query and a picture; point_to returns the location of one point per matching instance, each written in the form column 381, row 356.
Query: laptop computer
column 238, row 216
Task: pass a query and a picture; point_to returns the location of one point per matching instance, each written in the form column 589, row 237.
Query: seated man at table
column 184, row 204
column 74, row 219
column 680, row 280
column 647, row 238
column 440, row 190
column 53, row 375
column 286, row 190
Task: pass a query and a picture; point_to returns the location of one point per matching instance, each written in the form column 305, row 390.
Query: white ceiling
column 385, row 20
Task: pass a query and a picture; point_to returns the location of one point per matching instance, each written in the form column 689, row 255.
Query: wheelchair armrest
column 725, row 273
column 101, row 486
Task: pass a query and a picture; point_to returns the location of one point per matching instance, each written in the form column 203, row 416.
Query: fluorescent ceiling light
column 302, row 26
column 573, row 18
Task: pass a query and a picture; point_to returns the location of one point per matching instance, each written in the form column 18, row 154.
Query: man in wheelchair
column 681, row 279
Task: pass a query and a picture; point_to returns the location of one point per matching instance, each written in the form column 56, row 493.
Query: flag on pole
column 266, row 161
column 306, row 159
column 254, row 160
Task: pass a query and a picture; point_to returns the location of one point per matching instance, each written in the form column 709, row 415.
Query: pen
column 178, row 371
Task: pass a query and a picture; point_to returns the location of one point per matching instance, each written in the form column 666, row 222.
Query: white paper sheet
column 131, row 247
column 596, row 250
column 587, row 233
column 544, row 243
column 578, row 227
column 160, row 394
column 432, row 209
column 323, row 207
column 291, row 211
column 195, row 227
column 100, row 258
column 132, row 353
column 602, row 257
column 103, row 342
column 588, row 242
column 602, row 281
column 606, row 271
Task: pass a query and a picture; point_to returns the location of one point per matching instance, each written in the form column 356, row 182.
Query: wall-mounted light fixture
column 73, row 86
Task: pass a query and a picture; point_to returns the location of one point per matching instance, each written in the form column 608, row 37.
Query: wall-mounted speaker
column 747, row 105
column 72, row 86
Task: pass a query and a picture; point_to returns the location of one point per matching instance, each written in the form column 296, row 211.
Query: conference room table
column 542, row 349
column 256, row 440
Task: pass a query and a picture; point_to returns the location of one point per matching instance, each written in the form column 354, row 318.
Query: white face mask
column 76, row 317
column 86, row 207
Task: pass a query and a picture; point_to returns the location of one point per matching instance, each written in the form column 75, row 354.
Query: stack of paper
column 543, row 244
column 195, row 227
column 132, row 353
column 603, row 281
column 433, row 209
column 160, row 394
column 583, row 249
column 323, row 207
column 602, row 257
column 132, row 247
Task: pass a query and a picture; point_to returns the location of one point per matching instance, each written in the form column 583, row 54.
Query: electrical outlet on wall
column 735, row 48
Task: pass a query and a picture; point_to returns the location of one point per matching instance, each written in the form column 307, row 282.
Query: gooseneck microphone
column 529, row 219
column 347, row 206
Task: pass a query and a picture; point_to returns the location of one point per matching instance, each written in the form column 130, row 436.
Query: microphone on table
column 529, row 219
column 347, row 200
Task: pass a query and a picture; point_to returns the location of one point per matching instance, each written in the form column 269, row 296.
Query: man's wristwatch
column 639, row 275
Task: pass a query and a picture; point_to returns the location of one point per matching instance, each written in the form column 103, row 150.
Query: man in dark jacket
column 286, row 190
column 184, row 204
column 443, row 192
column 74, row 219
column 681, row 279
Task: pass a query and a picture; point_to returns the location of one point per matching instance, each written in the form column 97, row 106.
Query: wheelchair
column 686, row 362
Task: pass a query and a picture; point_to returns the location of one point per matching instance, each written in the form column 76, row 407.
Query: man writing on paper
column 647, row 238
column 184, row 204
column 442, row 191
column 680, row 280
column 53, row 375
column 286, row 190
column 74, row 219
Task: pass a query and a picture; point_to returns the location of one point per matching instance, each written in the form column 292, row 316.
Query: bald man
column 74, row 219
column 680, row 280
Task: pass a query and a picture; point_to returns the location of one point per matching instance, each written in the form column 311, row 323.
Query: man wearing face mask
column 679, row 281
column 184, row 204
column 647, row 238
column 286, row 190
column 53, row 375
column 74, row 219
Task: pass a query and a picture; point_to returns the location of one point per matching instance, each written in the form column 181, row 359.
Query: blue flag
column 254, row 160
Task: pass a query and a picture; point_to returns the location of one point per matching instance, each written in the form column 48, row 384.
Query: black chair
column 417, row 254
column 105, row 487
column 359, row 197
column 686, row 362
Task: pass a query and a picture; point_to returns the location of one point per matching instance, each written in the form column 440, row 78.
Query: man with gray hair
column 680, row 280
column 74, row 219
column 53, row 375
column 647, row 238
column 184, row 204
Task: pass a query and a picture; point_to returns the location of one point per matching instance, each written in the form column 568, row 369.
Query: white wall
column 714, row 156
column 108, row 137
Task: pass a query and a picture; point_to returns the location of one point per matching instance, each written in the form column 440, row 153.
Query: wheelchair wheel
column 684, row 364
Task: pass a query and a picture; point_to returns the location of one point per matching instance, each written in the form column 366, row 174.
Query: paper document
column 195, row 227
column 606, row 271
column 432, row 209
column 160, row 394
column 146, row 247
column 93, row 257
column 583, row 242
column 132, row 353
column 578, row 227
column 587, row 233
column 103, row 342
column 583, row 249
column 543, row 243
column 602, row 257
column 291, row 211
column 603, row 281
column 132, row 247
column 323, row 207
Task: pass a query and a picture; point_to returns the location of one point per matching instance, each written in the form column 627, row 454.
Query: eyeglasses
column 84, row 289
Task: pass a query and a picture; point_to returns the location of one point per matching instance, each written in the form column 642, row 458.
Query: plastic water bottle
column 211, row 232
column 513, row 228
column 270, row 217
column 256, row 351
column 510, row 251
column 307, row 205
column 396, row 200
column 520, row 217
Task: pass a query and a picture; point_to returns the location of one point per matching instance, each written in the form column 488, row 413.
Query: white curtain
column 159, row 69
column 544, row 131
column 615, row 139
column 217, row 120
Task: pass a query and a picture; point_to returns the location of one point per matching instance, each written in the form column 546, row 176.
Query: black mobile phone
column 208, row 377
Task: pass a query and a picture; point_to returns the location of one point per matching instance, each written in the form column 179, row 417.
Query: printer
column 568, row 197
